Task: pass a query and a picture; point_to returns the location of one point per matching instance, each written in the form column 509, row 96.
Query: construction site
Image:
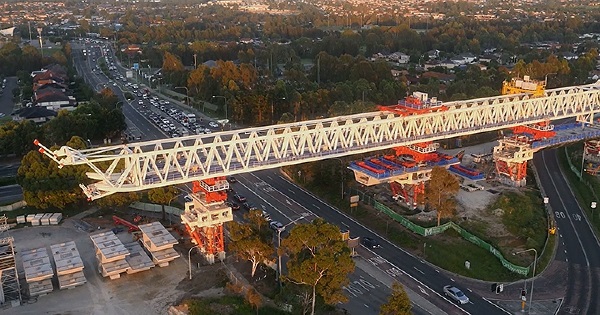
column 43, row 261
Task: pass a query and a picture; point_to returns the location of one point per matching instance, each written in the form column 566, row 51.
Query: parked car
column 188, row 199
column 233, row 206
column 266, row 215
column 213, row 124
column 248, row 206
column 455, row 294
column 369, row 242
column 276, row 226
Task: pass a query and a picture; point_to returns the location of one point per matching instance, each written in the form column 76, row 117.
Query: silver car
column 456, row 294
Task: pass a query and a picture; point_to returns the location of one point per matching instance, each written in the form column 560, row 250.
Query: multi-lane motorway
column 578, row 246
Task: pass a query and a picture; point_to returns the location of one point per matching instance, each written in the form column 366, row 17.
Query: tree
column 319, row 259
column 248, row 242
column 440, row 192
column 162, row 195
column 398, row 303
column 254, row 298
column 45, row 185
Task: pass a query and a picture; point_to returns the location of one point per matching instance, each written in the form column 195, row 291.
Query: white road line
column 314, row 205
column 417, row 269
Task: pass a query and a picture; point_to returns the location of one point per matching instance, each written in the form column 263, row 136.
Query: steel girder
column 151, row 164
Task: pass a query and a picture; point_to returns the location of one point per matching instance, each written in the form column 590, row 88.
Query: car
column 369, row 242
column 276, row 226
column 455, row 294
column 239, row 198
column 248, row 206
column 233, row 206
column 231, row 180
column 266, row 215
column 2, row 115
column 188, row 199
column 213, row 124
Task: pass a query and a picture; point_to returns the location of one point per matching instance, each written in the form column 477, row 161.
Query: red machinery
column 120, row 221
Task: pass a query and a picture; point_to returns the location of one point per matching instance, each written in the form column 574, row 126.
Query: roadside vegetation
column 524, row 217
column 586, row 189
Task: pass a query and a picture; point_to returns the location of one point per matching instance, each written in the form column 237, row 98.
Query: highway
column 578, row 245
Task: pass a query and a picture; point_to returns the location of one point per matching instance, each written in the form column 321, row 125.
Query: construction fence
column 423, row 231
column 155, row 208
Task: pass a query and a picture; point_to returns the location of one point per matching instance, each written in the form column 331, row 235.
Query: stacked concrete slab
column 38, row 271
column 138, row 260
column 41, row 218
column 111, row 254
column 69, row 266
column 159, row 242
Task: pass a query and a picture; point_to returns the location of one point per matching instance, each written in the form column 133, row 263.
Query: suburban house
column 38, row 115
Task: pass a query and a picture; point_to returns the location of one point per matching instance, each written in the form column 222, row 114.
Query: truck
column 191, row 118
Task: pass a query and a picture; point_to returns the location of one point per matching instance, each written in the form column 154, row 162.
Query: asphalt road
column 10, row 194
column 6, row 99
column 578, row 245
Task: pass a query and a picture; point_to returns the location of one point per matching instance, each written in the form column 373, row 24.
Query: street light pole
column 187, row 93
column 279, row 245
column 342, row 171
column 533, row 275
column 225, row 99
column 190, row 260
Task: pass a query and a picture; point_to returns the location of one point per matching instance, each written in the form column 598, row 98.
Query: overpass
column 152, row 164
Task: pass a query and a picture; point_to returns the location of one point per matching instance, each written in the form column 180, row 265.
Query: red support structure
column 204, row 216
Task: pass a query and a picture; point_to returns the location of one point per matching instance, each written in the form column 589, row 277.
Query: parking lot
column 144, row 293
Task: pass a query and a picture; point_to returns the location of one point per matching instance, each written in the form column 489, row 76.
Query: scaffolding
column 10, row 291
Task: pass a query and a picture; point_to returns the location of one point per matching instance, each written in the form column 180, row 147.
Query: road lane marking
column 417, row 269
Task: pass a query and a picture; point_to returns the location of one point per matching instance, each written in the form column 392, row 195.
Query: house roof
column 34, row 112
column 50, row 95
column 48, row 75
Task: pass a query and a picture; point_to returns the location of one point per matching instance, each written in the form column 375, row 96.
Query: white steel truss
column 151, row 164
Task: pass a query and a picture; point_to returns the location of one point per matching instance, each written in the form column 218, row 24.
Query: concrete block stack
column 38, row 271
column 111, row 254
column 138, row 260
column 159, row 242
column 69, row 266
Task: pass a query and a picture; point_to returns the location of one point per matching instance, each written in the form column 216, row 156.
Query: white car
column 456, row 294
column 276, row 226
column 213, row 124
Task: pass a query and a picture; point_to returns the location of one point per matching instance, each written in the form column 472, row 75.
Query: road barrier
column 14, row 206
